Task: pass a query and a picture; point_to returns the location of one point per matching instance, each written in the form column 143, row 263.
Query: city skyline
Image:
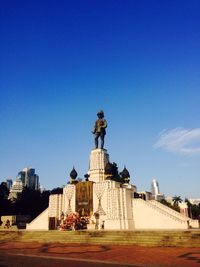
column 62, row 62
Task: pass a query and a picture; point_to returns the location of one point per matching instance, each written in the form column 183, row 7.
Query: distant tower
column 156, row 191
column 29, row 178
column 16, row 189
column 155, row 188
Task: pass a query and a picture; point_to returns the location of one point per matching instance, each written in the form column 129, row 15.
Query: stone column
column 98, row 160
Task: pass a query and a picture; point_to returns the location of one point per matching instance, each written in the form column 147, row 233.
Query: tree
column 115, row 173
column 30, row 202
column 4, row 202
column 4, row 191
column 57, row 190
column 176, row 200
column 193, row 210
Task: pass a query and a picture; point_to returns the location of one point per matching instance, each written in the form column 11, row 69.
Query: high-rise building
column 21, row 176
column 155, row 187
column 25, row 178
column 16, row 189
column 29, row 178
column 155, row 190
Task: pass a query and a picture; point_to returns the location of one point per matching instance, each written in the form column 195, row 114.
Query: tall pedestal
column 98, row 160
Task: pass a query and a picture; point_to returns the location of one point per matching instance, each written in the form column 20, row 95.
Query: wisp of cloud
column 180, row 141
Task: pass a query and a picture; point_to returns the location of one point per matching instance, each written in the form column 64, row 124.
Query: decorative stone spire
column 86, row 177
column 125, row 176
column 73, row 175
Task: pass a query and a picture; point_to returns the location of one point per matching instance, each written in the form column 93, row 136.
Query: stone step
column 185, row 238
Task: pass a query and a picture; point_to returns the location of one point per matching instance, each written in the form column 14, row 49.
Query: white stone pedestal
column 98, row 160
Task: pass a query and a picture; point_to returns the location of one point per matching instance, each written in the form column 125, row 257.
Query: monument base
column 98, row 160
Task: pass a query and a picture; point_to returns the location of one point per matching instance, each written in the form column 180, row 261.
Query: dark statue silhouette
column 100, row 129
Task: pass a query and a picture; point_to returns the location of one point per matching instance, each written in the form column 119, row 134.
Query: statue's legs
column 102, row 140
column 97, row 135
column 96, row 139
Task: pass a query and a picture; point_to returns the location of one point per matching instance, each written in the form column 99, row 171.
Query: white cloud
column 180, row 141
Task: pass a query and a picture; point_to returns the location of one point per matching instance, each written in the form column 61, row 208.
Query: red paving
column 136, row 255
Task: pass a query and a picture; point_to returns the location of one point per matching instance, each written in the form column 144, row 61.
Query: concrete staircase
column 178, row 215
column 147, row 215
column 190, row 238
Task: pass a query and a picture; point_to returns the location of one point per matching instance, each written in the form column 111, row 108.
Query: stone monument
column 98, row 156
column 107, row 200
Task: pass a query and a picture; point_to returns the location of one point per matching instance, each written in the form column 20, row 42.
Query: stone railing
column 141, row 201
column 168, row 209
column 192, row 223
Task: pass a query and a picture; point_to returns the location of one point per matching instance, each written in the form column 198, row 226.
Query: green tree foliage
column 57, row 190
column 112, row 171
column 4, row 202
column 176, row 200
column 31, row 202
column 115, row 174
column 4, row 192
column 193, row 210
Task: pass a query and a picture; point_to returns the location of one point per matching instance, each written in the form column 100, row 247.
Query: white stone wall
column 129, row 223
column 41, row 222
column 116, row 203
column 65, row 202
column 55, row 205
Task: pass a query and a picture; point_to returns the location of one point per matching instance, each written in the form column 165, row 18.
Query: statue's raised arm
column 100, row 129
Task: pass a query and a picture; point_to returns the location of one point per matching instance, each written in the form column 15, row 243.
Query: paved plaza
column 57, row 254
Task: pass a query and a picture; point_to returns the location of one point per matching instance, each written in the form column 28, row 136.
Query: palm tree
column 176, row 200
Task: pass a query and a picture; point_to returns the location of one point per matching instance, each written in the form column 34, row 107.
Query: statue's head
column 100, row 114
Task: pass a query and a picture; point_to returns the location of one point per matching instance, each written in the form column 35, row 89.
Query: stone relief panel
column 69, row 192
column 99, row 189
column 113, row 207
column 55, row 205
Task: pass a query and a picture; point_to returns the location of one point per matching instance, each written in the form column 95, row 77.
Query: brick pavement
column 118, row 254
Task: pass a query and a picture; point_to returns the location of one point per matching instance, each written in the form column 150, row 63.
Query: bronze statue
column 99, row 129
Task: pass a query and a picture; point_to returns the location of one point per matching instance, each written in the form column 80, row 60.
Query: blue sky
column 139, row 61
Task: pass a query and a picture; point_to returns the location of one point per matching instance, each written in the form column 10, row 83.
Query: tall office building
column 29, row 178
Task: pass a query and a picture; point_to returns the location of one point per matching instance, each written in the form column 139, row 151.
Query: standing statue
column 100, row 129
